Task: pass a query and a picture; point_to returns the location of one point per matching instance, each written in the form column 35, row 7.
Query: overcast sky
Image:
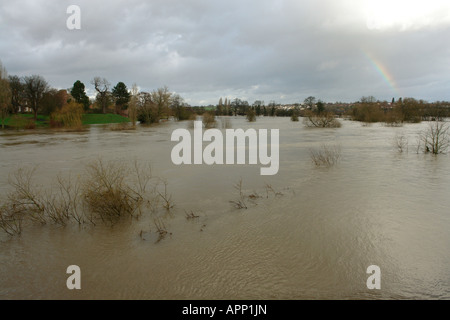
column 335, row 50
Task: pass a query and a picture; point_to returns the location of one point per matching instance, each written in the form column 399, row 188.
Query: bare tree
column 35, row 86
column 161, row 98
column 17, row 93
column 401, row 142
column 5, row 95
column 102, row 86
column 435, row 139
column 310, row 102
column 368, row 99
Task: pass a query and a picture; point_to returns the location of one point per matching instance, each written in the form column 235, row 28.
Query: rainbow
column 384, row 72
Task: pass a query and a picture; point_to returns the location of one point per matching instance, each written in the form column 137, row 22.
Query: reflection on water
column 314, row 240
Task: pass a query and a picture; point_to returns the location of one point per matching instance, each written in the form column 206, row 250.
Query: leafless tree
column 5, row 95
column 102, row 87
column 17, row 93
column 161, row 98
column 435, row 139
column 310, row 102
column 35, row 87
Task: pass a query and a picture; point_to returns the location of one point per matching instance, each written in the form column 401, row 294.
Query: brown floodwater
column 314, row 240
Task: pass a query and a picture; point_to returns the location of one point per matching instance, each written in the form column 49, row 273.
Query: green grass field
column 22, row 119
column 104, row 118
column 44, row 121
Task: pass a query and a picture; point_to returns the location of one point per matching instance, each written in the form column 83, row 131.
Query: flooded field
column 311, row 235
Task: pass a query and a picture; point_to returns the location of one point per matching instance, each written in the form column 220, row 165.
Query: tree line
column 34, row 94
column 368, row 109
column 404, row 110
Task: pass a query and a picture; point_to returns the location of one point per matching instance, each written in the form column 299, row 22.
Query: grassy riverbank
column 27, row 120
column 103, row 118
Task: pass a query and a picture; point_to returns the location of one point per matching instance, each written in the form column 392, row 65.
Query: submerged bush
column 322, row 120
column 251, row 115
column 326, row 155
column 107, row 192
column 209, row 120
column 10, row 221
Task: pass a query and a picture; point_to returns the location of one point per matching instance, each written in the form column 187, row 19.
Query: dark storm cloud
column 204, row 50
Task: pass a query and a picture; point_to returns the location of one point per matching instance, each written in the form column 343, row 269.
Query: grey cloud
column 268, row 50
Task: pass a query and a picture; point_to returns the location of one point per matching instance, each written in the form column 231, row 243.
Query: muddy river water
column 313, row 238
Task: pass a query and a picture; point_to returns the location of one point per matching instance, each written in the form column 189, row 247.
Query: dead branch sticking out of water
column 161, row 229
column 191, row 215
column 167, row 199
column 401, row 143
column 26, row 201
column 10, row 222
column 240, row 202
column 270, row 189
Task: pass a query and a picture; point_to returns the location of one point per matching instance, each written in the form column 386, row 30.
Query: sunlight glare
column 406, row 14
